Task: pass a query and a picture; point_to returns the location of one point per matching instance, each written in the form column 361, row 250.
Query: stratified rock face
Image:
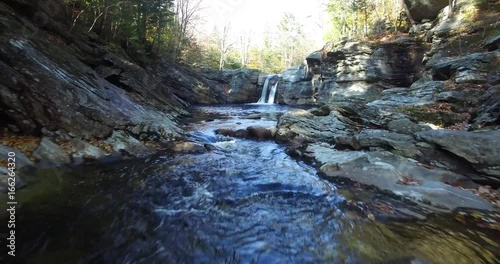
column 86, row 91
column 352, row 70
column 396, row 63
column 481, row 149
column 425, row 9
column 489, row 112
column 472, row 68
column 242, row 85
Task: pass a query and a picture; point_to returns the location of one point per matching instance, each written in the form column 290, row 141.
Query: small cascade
column 263, row 96
column 270, row 80
column 272, row 94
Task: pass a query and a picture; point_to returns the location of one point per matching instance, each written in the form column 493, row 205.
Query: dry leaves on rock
column 409, row 180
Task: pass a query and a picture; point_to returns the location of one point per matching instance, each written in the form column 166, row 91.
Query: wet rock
column 253, row 116
column 49, row 153
column 481, row 149
column 188, row 147
column 370, row 138
column 210, row 147
column 21, row 159
column 321, row 111
column 394, row 173
column 259, row 133
column 314, row 128
column 124, row 143
column 224, row 132
column 240, row 133
column 86, row 151
column 274, row 131
column 406, row 126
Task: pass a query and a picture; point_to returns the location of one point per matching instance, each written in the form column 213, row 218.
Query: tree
column 356, row 18
column 224, row 44
column 185, row 14
column 244, row 42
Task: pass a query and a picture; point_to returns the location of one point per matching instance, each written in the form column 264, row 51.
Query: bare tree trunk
column 75, row 20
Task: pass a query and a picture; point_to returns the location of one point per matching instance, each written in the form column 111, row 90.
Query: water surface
column 245, row 202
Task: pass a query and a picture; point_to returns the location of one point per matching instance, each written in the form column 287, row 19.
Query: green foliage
column 359, row 18
column 152, row 28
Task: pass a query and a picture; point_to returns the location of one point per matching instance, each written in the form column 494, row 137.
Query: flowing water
column 245, row 202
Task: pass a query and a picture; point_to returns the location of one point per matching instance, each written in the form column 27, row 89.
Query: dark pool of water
column 246, row 202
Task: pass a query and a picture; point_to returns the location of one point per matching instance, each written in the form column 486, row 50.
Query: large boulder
column 128, row 145
column 49, row 153
column 259, row 133
column 85, row 151
column 396, row 174
column 425, row 9
column 480, row 149
column 304, row 124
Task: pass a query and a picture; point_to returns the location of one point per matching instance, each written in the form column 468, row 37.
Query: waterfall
column 272, row 94
column 262, row 99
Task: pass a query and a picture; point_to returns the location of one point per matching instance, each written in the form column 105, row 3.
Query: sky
column 261, row 15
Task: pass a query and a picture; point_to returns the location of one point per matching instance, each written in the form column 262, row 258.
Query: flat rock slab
column 315, row 128
column 50, row 152
column 481, row 149
column 373, row 138
column 386, row 171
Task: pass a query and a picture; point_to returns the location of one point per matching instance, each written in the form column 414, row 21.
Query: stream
column 244, row 202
